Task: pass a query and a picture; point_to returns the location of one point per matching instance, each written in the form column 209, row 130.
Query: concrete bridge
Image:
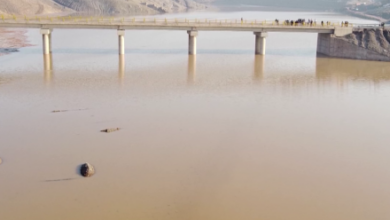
column 260, row 28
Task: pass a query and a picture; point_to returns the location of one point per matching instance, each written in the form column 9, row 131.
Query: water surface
column 223, row 135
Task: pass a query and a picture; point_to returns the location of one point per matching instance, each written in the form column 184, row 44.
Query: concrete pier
column 260, row 42
column 46, row 35
column 121, row 41
column 51, row 49
column 192, row 42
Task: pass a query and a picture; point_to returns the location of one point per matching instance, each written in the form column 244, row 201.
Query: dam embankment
column 362, row 44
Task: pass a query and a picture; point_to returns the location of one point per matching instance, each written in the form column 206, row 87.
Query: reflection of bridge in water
column 191, row 73
column 327, row 71
column 342, row 70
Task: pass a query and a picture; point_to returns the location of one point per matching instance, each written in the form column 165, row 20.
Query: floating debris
column 72, row 110
column 87, row 170
column 1, row 161
column 58, row 180
column 109, row 130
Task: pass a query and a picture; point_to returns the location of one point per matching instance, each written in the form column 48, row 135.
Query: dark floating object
column 109, row 130
column 87, row 170
column 8, row 50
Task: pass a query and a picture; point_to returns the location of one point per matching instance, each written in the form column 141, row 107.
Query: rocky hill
column 377, row 40
column 31, row 7
column 128, row 7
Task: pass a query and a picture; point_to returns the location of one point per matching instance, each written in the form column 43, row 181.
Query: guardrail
column 166, row 21
column 368, row 25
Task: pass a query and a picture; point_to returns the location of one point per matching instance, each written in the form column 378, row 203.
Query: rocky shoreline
column 363, row 44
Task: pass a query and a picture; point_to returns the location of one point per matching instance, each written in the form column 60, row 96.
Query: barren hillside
column 377, row 40
column 34, row 7
column 129, row 6
column 30, row 7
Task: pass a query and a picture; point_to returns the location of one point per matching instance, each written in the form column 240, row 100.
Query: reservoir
column 223, row 135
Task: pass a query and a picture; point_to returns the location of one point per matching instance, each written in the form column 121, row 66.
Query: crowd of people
column 309, row 22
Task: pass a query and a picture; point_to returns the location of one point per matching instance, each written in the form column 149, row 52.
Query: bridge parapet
column 340, row 32
column 166, row 24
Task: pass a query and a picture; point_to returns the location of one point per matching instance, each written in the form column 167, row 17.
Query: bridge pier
column 121, row 41
column 46, row 41
column 260, row 42
column 192, row 42
column 51, row 49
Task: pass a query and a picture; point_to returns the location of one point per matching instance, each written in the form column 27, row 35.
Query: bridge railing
column 367, row 25
column 160, row 21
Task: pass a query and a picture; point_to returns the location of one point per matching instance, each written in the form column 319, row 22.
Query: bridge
column 260, row 28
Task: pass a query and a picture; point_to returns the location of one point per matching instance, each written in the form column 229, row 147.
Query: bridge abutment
column 192, row 42
column 46, row 41
column 260, row 42
column 330, row 45
column 121, row 41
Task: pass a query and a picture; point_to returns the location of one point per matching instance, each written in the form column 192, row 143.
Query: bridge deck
column 164, row 24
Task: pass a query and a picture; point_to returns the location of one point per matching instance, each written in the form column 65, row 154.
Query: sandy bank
column 12, row 40
column 377, row 40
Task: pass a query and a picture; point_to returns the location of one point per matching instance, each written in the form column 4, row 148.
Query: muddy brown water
column 223, row 135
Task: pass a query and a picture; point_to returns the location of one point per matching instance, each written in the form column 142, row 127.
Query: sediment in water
column 11, row 40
